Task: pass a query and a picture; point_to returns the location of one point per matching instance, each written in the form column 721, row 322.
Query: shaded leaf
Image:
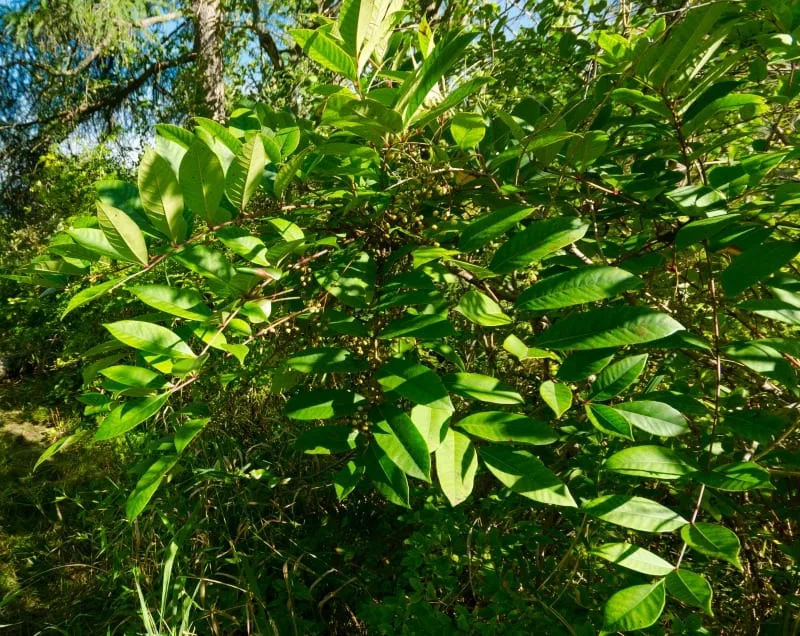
column 557, row 396
column 245, row 173
column 414, row 382
column 389, row 480
column 713, row 540
column 161, row 196
column 636, row 513
column 322, row 404
column 326, row 360
column 456, row 465
column 736, row 477
column 325, row 440
column 618, row 377
column 634, row 558
column 499, row 426
column 634, row 608
column 124, row 236
column 536, row 241
column 477, row 307
column 691, row 589
column 203, row 183
column 149, row 337
column 147, row 485
column 756, row 264
column 527, row 475
column 129, row 415
column 482, row 387
column 489, row 227
column 655, row 418
column 577, row 287
column 652, row 462
column 467, row 129
column 184, row 303
column 608, row 327
column 396, row 434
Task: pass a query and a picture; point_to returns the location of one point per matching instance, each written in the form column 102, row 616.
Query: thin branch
column 85, row 111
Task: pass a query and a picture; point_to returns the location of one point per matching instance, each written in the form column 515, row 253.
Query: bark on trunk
column 210, row 96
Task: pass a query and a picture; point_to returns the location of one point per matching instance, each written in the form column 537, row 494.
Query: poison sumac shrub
column 593, row 305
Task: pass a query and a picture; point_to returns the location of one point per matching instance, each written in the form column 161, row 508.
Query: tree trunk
column 210, row 95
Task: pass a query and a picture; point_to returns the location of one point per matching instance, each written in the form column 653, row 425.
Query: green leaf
column 326, row 360
column 482, row 387
column 389, row 480
column 454, row 99
column 243, row 243
column 756, row 264
column 62, row 443
column 350, row 278
column 147, row 485
column 89, row 294
column 736, row 477
column 634, row 608
column 206, row 261
column 133, row 376
column 655, row 418
column 691, row 589
column 172, row 142
column 527, row 475
column 482, row 310
column 419, row 83
column 365, row 25
column 288, row 172
column 582, row 364
column 456, row 465
column 188, row 431
column 345, row 480
column 415, row 382
column 499, row 426
column 323, row 49
column 372, row 114
column 428, row 326
column 702, row 229
column 122, row 233
column 536, row 241
column 618, row 377
column 650, row 103
column 634, row 558
column 521, row 351
column 95, row 241
column 577, row 287
column 129, row 415
column 490, row 226
column 608, row 327
column 149, row 337
column 396, row 434
column 714, row 541
column 203, row 183
column 608, row 420
column 734, row 101
column 432, row 424
column 636, row 513
column 161, row 196
column 245, row 173
column 762, row 359
column 184, row 303
column 325, row 440
column 557, row 396
column 467, row 129
column 652, row 462
column 322, row 404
